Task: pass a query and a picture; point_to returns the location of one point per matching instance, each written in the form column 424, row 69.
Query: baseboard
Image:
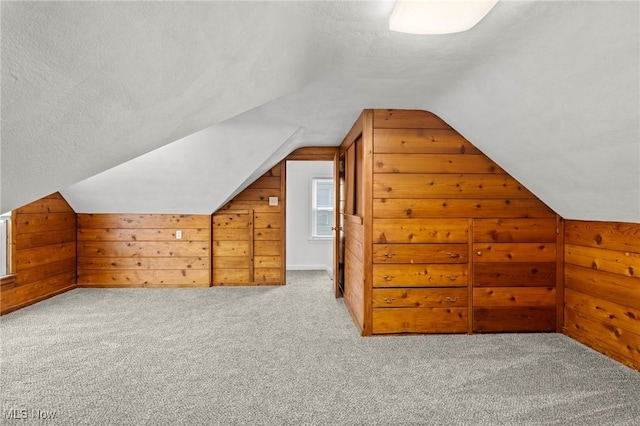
column 311, row 268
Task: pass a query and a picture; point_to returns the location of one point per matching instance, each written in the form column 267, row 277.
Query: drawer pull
column 453, row 277
column 388, row 278
column 479, row 253
column 388, row 299
column 389, row 255
column 452, row 299
column 454, row 255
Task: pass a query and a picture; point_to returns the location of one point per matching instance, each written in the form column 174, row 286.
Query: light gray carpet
column 287, row 356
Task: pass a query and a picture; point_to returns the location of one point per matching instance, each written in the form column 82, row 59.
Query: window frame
column 315, row 209
column 8, row 278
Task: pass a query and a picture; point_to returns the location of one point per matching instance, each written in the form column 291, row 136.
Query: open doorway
column 310, row 215
column 311, row 210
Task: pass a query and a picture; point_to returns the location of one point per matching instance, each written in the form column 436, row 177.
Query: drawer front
column 420, row 253
column 423, row 275
column 514, row 296
column 419, row 320
column 419, row 297
column 515, row 274
column 416, row 231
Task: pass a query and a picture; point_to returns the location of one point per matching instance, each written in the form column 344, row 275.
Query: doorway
column 310, row 210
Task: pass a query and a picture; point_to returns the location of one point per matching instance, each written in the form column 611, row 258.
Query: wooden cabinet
column 420, row 275
column 451, row 242
column 248, row 235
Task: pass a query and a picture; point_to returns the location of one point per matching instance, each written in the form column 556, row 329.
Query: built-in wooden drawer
column 514, row 296
column 421, row 275
column 514, row 252
column 420, row 253
column 419, row 320
column 505, row 274
column 513, row 319
column 415, row 231
column 521, row 230
column 419, row 297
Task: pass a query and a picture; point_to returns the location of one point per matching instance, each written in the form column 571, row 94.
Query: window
column 322, row 208
column 5, row 244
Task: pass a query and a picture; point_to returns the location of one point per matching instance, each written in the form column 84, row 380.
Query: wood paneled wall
column 354, row 270
column 120, row 250
column 602, row 287
column 248, row 234
column 44, row 241
column 452, row 243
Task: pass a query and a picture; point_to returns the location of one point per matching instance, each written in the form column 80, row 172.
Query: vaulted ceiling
column 173, row 107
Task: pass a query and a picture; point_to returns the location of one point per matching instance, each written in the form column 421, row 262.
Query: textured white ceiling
column 550, row 90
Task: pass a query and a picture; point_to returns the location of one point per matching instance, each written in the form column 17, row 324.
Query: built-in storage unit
column 437, row 237
column 248, row 234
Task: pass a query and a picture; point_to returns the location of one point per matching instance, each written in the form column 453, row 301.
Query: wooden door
column 233, row 247
column 339, row 236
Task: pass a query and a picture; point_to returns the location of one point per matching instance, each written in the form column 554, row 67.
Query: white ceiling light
column 438, row 16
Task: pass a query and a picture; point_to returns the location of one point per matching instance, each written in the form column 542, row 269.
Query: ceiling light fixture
column 438, row 16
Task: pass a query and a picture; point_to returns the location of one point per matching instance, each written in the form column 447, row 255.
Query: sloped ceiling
column 549, row 90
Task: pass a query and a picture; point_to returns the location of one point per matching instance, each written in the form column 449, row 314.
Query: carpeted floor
column 286, row 356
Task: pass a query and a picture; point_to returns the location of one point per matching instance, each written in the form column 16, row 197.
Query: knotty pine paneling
column 45, row 253
column 446, row 218
column 141, row 250
column 248, row 234
column 354, row 272
column 602, row 287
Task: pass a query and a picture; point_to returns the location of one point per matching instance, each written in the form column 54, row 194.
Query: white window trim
column 312, row 237
column 5, row 249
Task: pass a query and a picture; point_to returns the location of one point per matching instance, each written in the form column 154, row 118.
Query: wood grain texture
column 354, row 273
column 514, row 296
column 423, row 275
column 459, row 208
column 434, row 163
column 420, row 231
column 429, row 187
column 514, row 230
column 406, row 119
column 248, row 234
column 439, row 186
column 422, row 141
column 514, row 319
column 44, row 245
column 614, row 261
column 514, row 274
column 142, row 221
column 514, row 252
column 620, row 341
column 602, row 287
column 419, row 297
column 618, row 236
column 605, row 311
column 142, row 250
column 420, row 253
column 419, row 320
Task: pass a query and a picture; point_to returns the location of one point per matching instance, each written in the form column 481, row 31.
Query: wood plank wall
column 354, row 269
column 130, row 250
column 45, row 253
column 458, row 244
column 602, row 287
column 253, row 253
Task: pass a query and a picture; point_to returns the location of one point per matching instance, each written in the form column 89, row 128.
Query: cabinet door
column 514, row 275
column 233, row 247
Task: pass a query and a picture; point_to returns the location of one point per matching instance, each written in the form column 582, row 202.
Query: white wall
column 302, row 253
